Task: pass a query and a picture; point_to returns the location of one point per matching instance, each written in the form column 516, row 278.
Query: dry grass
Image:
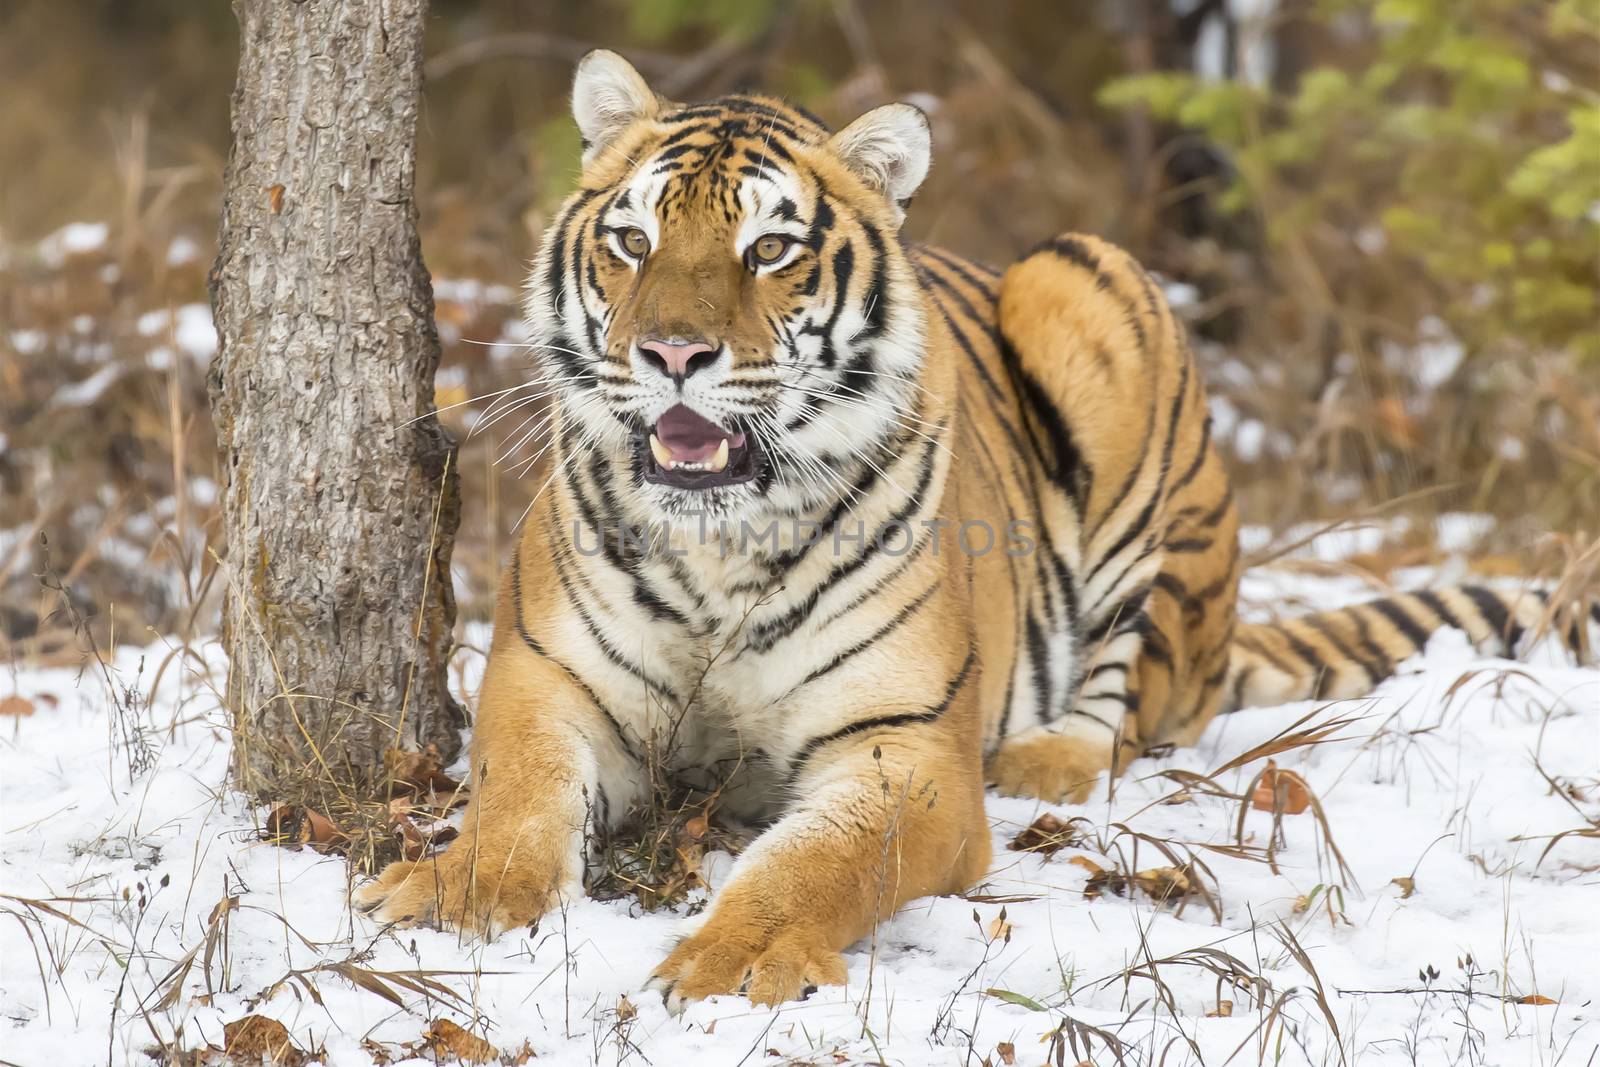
column 123, row 484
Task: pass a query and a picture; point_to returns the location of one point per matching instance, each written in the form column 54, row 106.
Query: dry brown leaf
column 418, row 772
column 999, row 928
column 446, row 1038
column 1087, row 864
column 19, row 706
column 1007, row 1052
column 1280, row 790
column 381, row 1056
column 258, row 1039
column 522, row 1055
column 1162, row 884
column 1047, row 835
column 625, row 1009
column 1224, row 1010
column 275, row 198
column 290, row 825
column 1407, row 886
column 1534, row 998
column 697, row 828
column 420, row 834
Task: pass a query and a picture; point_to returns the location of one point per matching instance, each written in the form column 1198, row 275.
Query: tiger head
column 723, row 309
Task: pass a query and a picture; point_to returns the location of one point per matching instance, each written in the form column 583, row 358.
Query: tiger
column 853, row 529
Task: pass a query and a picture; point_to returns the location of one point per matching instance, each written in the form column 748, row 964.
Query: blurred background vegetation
column 1381, row 219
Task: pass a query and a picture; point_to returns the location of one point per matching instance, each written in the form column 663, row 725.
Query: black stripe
column 1493, row 610
column 1123, row 697
column 1250, row 642
column 1375, row 670
column 1430, row 600
column 1079, row 713
column 1379, row 658
column 1322, row 670
column 1200, row 455
column 1158, row 494
column 598, row 635
column 1105, row 668
column 1051, row 436
column 769, row 633
column 900, row 617
column 1039, row 662
column 960, row 267
column 539, row 650
column 1070, row 249
column 1391, row 610
column 884, row 722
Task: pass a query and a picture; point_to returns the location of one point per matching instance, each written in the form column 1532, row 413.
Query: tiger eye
column 770, row 249
column 635, row 242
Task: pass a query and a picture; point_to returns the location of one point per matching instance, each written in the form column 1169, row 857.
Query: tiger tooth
column 661, row 452
column 720, row 460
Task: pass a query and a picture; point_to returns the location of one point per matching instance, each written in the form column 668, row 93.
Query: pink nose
column 676, row 359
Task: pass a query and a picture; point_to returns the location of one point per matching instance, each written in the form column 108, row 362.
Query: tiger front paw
column 768, row 966
column 1050, row 766
column 460, row 890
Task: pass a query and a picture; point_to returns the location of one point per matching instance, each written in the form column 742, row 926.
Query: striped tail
column 1344, row 653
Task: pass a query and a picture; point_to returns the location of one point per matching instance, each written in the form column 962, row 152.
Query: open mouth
column 688, row 451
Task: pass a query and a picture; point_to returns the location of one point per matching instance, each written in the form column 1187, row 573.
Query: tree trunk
column 341, row 500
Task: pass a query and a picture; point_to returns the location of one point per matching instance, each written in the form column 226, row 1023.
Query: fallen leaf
column 522, row 1055
column 419, row 772
column 1162, row 884
column 1007, row 1052
column 1224, row 1010
column 1534, row 998
column 1407, row 886
column 258, row 1039
column 1280, row 790
column 1047, row 834
column 625, row 1009
column 290, row 825
column 19, row 706
column 381, row 1057
column 1087, row 864
column 420, row 837
column 697, row 827
column 275, row 198
column 445, row 1037
column 999, row 928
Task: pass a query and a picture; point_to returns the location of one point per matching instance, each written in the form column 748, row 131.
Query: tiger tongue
column 691, row 437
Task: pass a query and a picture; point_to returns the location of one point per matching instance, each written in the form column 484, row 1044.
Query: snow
column 73, row 239
column 189, row 327
column 86, row 392
column 182, row 250
column 28, row 342
column 1440, row 778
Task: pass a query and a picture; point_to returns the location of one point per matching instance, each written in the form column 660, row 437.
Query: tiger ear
column 889, row 148
column 608, row 96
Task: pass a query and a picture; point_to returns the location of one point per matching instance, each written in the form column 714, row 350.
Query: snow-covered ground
column 1442, row 795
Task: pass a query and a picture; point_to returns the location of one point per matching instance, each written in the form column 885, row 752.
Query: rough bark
column 340, row 502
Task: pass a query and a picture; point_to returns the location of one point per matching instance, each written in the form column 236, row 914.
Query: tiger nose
column 677, row 359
